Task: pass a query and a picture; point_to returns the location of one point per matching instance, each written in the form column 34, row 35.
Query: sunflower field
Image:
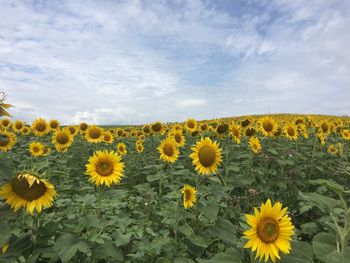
column 270, row 188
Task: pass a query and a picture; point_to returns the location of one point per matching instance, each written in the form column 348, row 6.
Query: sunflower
column 36, row 149
column 249, row 132
column 120, row 132
column 62, row 139
column 139, row 147
column 246, row 122
column 83, row 127
column 325, row 127
column 177, row 127
column 191, row 125
column 146, row 129
column 94, row 134
column 291, row 131
column 54, row 124
column 270, row 232
column 332, row 149
column 235, row 132
column 254, row 144
column 206, row 156
column 203, row 127
column 4, row 248
column 168, row 150
column 7, row 140
column 28, row 191
column 25, row 130
column 121, row 148
column 40, row 127
column 17, row 126
column 105, row 167
column 345, row 134
column 73, row 130
column 303, row 131
column 189, row 196
column 267, row 126
column 108, row 137
column 179, row 138
column 5, row 123
column 321, row 138
column 222, row 129
column 142, row 137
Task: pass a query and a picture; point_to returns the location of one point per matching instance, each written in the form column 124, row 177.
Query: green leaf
column 185, row 229
column 224, row 230
column 321, row 201
column 324, row 245
column 68, row 245
column 108, row 251
column 301, row 252
column 198, row 241
column 120, row 238
column 330, row 184
column 229, row 256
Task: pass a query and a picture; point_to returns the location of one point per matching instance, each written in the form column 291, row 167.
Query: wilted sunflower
column 54, row 124
column 191, row 125
column 105, row 167
column 270, row 232
column 206, row 156
column 17, row 126
column 36, row 149
column 157, row 127
column 5, row 123
column 28, row 191
column 254, row 144
column 94, row 134
column 40, row 127
column 108, row 137
column 121, row 148
column 139, row 147
column 291, row 131
column 189, row 196
column 267, row 126
column 235, row 132
column 62, row 139
column 4, row 106
column 168, row 150
column 7, row 140
column 179, row 138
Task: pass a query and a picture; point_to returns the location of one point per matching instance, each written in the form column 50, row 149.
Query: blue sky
column 133, row 61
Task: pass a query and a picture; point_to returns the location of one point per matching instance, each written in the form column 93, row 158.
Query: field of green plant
column 142, row 217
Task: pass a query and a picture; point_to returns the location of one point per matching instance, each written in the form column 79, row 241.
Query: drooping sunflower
column 108, row 137
column 139, row 147
column 254, row 144
column 121, row 148
column 36, row 149
column 270, row 232
column 268, row 126
column 62, row 139
column 206, row 156
column 105, row 167
column 7, row 140
column 235, row 132
column 189, row 196
column 168, row 150
column 191, row 125
column 40, row 127
column 5, row 123
column 94, row 134
column 291, row 131
column 17, row 126
column 54, row 124
column 28, row 191
column 179, row 138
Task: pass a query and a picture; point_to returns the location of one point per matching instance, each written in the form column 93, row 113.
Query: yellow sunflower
column 268, row 126
column 94, row 134
column 189, row 196
column 40, row 127
column 345, row 134
column 121, row 148
column 146, row 129
column 203, row 127
column 83, row 127
column 332, row 149
column 36, row 149
column 108, row 137
column 325, row 127
column 54, row 124
column 179, row 138
column 291, row 131
column 7, row 140
column 249, row 131
column 191, row 125
column 28, row 191
column 17, row 126
column 270, row 232
column 5, row 123
column 235, row 132
column 157, row 127
column 105, row 167
column 62, row 139
column 206, row 156
column 222, row 129
column 254, row 144
column 25, row 130
column 168, row 150
column 4, row 248
column 139, row 147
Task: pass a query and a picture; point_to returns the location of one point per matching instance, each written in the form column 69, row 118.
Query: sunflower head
column 139, row 147
column 54, row 124
column 249, row 131
column 25, row 130
column 189, row 196
column 17, row 126
column 40, row 127
column 179, row 138
column 203, row 127
column 5, row 123
column 83, row 127
column 267, row 126
column 235, row 132
column 168, row 150
column 94, row 134
column 108, row 137
column 62, row 139
column 37, row 149
column 254, row 144
column 191, row 125
column 157, row 127
column 7, row 140
column 270, row 231
column 206, row 156
column 291, row 131
column 105, row 167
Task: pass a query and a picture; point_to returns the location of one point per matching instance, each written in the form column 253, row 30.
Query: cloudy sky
column 124, row 62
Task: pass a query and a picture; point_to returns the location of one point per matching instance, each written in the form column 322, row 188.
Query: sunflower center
column 168, row 150
column 268, row 230
column 95, row 133
column 156, row 127
column 104, row 168
column 268, row 126
column 5, row 123
column 53, row 125
column 4, row 140
column 190, row 125
column 250, row 132
column 204, row 127
column 22, row 188
column 107, row 137
column 62, row 138
column 291, row 131
column 206, row 156
column 41, row 127
column 83, row 126
column 245, row 123
column 235, row 132
column 222, row 128
column 177, row 138
column 72, row 130
column 187, row 195
column 36, row 149
column 18, row 125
